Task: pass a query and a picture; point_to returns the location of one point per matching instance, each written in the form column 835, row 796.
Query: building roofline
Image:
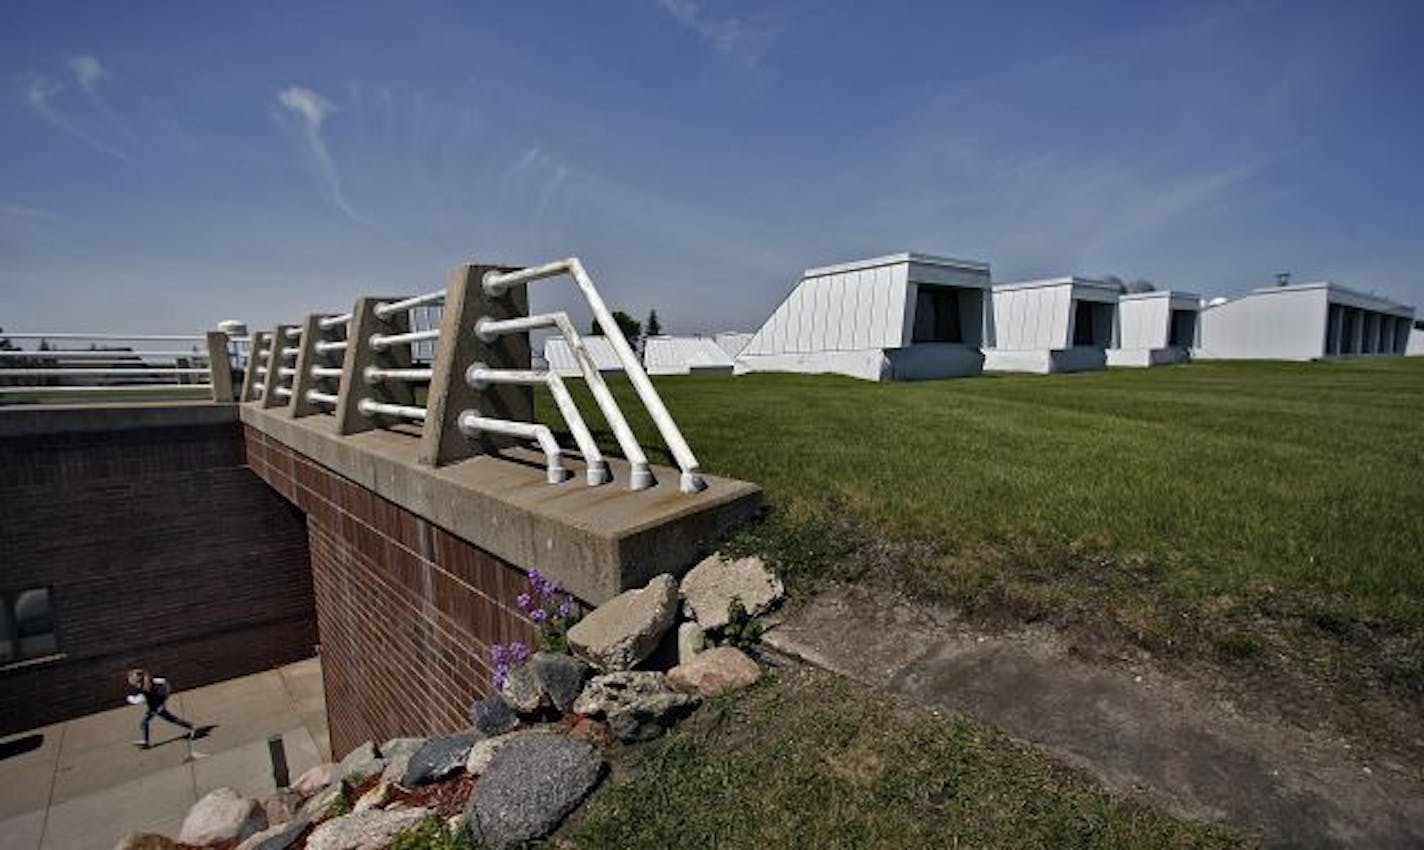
column 1329, row 287
column 1161, row 293
column 1065, row 280
column 897, row 259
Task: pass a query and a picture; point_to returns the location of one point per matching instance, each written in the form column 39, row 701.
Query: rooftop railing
column 451, row 367
column 59, row 367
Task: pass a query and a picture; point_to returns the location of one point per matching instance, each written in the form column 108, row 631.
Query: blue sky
column 166, row 165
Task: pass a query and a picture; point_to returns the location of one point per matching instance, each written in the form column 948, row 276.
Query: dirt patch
column 1275, row 655
column 1136, row 729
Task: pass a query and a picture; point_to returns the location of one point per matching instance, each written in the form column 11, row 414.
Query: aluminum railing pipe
column 640, row 475
column 294, row 333
column 380, row 342
column 111, row 354
column 120, row 337
column 403, row 411
column 334, row 321
column 478, row 376
column 135, row 370
column 109, row 388
column 328, row 347
column 320, row 397
column 496, row 284
column 375, row 374
column 387, row 309
column 287, row 372
column 471, row 423
column 325, row 372
column 283, row 392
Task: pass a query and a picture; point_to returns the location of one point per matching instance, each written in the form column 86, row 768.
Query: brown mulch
column 445, row 799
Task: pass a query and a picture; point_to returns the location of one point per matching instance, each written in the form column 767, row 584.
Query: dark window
column 937, row 315
column 1082, row 323
column 27, row 625
column 1184, row 328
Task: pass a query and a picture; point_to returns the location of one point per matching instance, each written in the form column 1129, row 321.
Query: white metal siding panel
column 1279, row 325
column 857, row 332
column 901, row 313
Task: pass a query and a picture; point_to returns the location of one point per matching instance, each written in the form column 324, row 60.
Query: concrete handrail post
column 308, row 357
column 279, row 344
column 220, row 365
column 359, row 354
column 442, row 441
column 251, row 378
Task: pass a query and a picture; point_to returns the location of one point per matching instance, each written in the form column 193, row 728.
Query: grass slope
column 1236, row 476
column 812, row 761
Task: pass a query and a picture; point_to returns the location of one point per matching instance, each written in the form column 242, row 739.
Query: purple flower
column 523, row 601
column 538, row 615
column 566, row 608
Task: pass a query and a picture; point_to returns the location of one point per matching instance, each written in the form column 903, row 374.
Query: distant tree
column 630, row 326
column 654, row 327
column 1139, row 285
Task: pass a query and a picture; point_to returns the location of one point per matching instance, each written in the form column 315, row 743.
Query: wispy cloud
column 88, row 72
column 732, row 37
column 22, row 213
column 310, row 110
column 40, row 92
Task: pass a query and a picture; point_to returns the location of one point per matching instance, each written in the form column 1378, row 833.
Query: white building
column 1416, row 340
column 1061, row 324
column 898, row 317
column 1303, row 322
column 1154, row 328
column 685, row 355
column 560, row 357
column 733, row 342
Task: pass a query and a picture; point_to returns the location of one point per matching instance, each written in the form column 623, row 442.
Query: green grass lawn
column 1238, row 476
column 812, row 761
column 1242, row 511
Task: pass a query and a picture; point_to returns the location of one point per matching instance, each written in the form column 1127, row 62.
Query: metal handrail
column 380, row 342
column 371, row 407
column 496, row 283
column 641, row 475
column 387, row 309
column 471, row 424
column 478, row 376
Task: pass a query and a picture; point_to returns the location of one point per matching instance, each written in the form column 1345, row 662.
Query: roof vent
column 1282, row 278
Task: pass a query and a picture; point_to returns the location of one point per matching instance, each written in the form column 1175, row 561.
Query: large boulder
column 637, row 704
column 281, row 806
column 626, row 629
column 493, row 716
column 483, row 752
column 278, row 837
column 397, row 753
column 709, row 588
column 361, row 763
column 146, row 841
column 438, row 758
column 318, row 806
column 222, row 815
column 715, row 671
column 531, row 786
column 369, row 830
column 521, row 692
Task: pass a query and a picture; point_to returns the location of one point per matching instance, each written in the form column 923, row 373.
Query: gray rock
column 361, row 763
column 316, row 779
column 559, row 677
column 637, row 704
column 438, row 758
column 278, row 837
column 521, row 691
column 369, row 830
column 281, row 806
column 709, row 588
column 690, row 641
column 626, row 629
column 222, row 815
column 531, row 786
column 483, row 752
column 397, row 753
column 146, row 841
column 493, row 716
column 317, row 805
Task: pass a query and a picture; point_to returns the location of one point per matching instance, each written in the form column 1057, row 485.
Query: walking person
column 153, row 693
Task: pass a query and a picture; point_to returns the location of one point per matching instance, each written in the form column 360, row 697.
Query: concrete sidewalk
column 86, row 785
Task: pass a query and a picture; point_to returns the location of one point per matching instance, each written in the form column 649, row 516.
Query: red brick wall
column 406, row 610
column 163, row 550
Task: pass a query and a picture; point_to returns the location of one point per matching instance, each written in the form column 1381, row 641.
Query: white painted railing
column 50, row 366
